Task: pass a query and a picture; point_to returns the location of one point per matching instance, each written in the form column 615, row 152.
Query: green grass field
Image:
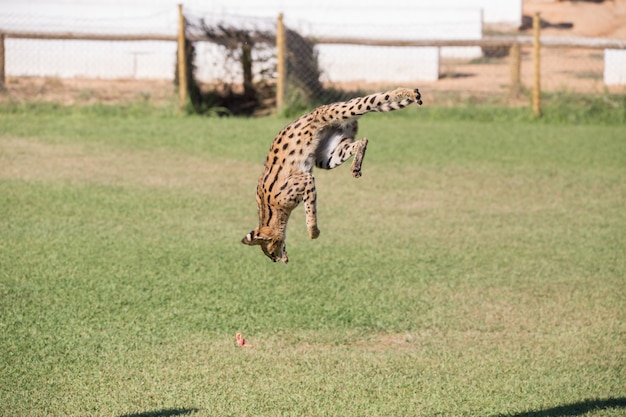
column 476, row 269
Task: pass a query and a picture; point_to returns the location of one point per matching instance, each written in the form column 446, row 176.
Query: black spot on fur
column 270, row 214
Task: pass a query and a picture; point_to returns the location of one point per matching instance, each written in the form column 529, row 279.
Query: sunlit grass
column 474, row 269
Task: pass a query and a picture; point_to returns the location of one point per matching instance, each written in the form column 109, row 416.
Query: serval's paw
column 314, row 232
column 418, row 96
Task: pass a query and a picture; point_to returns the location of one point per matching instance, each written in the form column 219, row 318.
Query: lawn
column 476, row 269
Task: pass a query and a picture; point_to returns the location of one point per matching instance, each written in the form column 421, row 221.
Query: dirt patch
column 598, row 20
column 89, row 91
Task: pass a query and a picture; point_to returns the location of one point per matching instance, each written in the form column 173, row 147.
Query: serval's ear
column 254, row 238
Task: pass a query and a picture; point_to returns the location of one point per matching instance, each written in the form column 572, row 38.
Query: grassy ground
column 477, row 269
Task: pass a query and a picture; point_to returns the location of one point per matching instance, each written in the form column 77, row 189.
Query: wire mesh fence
column 237, row 56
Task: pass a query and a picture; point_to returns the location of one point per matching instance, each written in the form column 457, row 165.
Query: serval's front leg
column 301, row 188
column 310, row 206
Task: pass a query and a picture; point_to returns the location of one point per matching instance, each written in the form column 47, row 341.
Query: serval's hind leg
column 359, row 154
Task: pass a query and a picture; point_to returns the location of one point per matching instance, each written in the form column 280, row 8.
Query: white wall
column 399, row 19
column 494, row 11
column 350, row 11
column 302, row 15
column 90, row 59
column 342, row 63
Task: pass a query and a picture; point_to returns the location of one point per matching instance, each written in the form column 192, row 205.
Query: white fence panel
column 615, row 67
column 344, row 63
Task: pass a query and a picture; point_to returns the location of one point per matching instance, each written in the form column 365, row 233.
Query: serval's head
column 272, row 244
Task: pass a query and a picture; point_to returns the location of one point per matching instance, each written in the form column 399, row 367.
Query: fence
column 506, row 69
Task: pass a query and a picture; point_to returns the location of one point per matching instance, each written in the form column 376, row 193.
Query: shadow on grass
column 163, row 413
column 574, row 409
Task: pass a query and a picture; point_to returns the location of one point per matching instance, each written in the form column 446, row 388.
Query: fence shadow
column 573, row 409
column 163, row 413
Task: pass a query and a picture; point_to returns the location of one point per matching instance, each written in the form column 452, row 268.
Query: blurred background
column 110, row 51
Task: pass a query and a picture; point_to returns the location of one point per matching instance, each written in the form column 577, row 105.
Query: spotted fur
column 322, row 138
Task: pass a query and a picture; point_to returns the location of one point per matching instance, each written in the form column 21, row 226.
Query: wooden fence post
column 515, row 56
column 537, row 62
column 2, row 73
column 182, row 59
column 280, row 66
